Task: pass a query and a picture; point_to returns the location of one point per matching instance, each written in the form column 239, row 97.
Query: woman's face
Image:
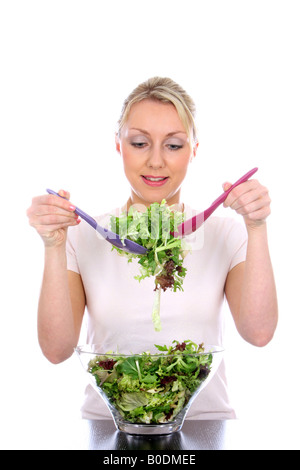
column 156, row 152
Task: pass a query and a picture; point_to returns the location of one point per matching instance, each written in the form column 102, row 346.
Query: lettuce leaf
column 132, row 400
column 164, row 259
column 152, row 388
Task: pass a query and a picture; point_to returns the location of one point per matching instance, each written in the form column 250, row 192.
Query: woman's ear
column 118, row 143
column 195, row 148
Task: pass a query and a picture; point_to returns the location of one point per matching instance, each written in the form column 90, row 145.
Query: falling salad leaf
column 164, row 258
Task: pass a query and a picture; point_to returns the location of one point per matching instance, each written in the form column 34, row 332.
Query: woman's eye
column 174, row 146
column 138, row 144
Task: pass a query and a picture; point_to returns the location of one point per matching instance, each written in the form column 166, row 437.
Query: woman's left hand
column 251, row 200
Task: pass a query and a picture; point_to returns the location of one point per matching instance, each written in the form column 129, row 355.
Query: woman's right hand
column 51, row 216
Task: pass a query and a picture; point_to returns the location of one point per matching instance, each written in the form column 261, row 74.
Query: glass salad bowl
column 150, row 392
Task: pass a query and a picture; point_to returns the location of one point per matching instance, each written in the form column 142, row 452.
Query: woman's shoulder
column 217, row 229
column 226, row 228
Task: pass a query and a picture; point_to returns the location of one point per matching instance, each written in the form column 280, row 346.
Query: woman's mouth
column 154, row 180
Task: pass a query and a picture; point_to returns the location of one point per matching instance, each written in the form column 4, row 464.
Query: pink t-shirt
column 119, row 308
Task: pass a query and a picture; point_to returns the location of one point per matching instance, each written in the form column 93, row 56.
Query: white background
column 66, row 67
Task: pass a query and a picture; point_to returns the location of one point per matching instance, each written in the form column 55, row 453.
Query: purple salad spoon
column 190, row 225
column 111, row 237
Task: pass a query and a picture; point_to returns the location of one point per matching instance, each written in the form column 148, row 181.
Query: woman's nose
column 156, row 158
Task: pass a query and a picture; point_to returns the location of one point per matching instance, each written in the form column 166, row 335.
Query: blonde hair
column 166, row 91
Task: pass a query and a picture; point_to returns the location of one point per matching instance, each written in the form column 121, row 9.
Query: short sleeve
column 72, row 262
column 237, row 244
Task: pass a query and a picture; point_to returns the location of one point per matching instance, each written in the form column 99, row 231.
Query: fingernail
column 72, row 208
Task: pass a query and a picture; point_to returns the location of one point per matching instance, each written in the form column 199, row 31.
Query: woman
column 157, row 141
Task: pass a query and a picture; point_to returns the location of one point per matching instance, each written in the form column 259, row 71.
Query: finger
column 226, row 186
column 253, row 207
column 50, row 209
column 53, row 219
column 64, row 194
column 260, row 215
column 248, row 198
column 240, row 190
column 53, row 200
column 45, row 230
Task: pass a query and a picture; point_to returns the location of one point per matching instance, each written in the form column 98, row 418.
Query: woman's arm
column 250, row 287
column 61, row 307
column 62, row 298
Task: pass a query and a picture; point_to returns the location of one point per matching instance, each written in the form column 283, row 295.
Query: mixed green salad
column 164, row 258
column 152, row 388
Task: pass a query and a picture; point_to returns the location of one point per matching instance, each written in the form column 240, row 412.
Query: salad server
column 190, row 225
column 111, row 237
column 184, row 229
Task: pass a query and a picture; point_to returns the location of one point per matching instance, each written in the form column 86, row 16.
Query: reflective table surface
column 66, row 433
column 195, row 435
